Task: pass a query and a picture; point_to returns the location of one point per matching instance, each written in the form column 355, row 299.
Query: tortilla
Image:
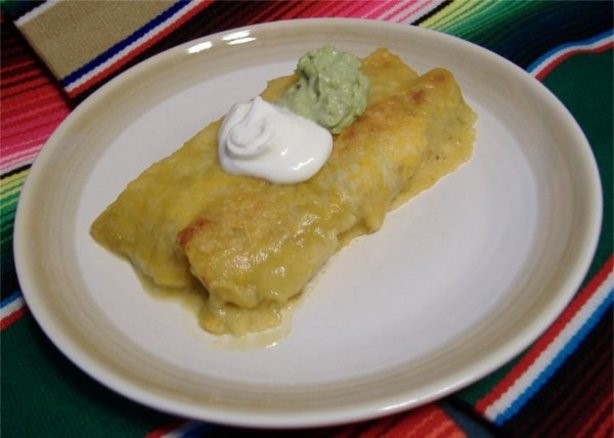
column 249, row 246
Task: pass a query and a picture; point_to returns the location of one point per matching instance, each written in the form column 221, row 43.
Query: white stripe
column 14, row 306
column 39, row 10
column 536, row 70
column 86, row 77
column 556, row 346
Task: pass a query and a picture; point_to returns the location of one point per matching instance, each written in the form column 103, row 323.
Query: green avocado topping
column 331, row 89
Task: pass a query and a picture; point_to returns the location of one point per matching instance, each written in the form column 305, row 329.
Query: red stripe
column 321, row 9
column 28, row 99
column 31, row 85
column 263, row 13
column 409, row 6
column 22, row 158
column 296, row 7
column 316, row 10
column 358, row 9
column 426, row 421
column 546, row 339
column 13, row 114
column 283, row 11
column 21, row 149
column 117, row 65
column 421, row 6
column 379, row 7
column 407, row 424
column 12, row 317
column 163, row 430
column 34, row 136
column 446, row 429
column 34, row 116
column 421, row 429
column 370, row 429
column 601, row 419
column 583, row 388
column 14, row 65
column 378, row 11
column 45, row 125
column 48, row 107
column 605, row 428
column 335, row 9
column 301, row 10
column 348, row 10
column 558, row 60
column 13, row 107
column 18, row 78
column 578, row 398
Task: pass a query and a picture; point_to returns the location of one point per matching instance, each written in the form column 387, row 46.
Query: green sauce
column 331, row 90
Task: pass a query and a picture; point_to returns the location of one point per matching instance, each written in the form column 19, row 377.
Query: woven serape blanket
column 54, row 54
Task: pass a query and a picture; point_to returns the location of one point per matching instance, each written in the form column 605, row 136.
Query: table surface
column 565, row 45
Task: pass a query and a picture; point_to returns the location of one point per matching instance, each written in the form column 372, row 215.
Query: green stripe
column 449, row 17
column 59, row 394
column 572, row 81
column 10, row 189
column 9, row 197
column 6, row 246
column 6, row 225
column 497, row 16
column 477, row 391
column 9, row 202
column 6, row 233
column 487, row 23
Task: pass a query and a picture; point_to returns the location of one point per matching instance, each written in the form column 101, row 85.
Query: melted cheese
column 249, row 246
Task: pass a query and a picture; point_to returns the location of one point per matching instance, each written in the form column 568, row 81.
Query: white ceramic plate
column 457, row 282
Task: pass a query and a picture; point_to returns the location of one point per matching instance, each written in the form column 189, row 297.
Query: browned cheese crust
column 254, row 245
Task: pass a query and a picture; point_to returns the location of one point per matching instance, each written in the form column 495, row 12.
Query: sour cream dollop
column 267, row 141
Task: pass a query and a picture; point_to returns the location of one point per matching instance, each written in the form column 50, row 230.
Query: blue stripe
column 198, row 430
column 121, row 45
column 8, row 300
column 602, row 36
column 558, row 360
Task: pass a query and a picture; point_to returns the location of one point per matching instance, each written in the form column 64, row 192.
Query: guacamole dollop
column 331, row 89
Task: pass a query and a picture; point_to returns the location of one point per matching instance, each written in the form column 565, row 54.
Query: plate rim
column 245, row 417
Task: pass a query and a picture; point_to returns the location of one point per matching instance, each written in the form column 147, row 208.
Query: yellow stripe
column 450, row 15
column 12, row 183
column 15, row 178
column 7, row 193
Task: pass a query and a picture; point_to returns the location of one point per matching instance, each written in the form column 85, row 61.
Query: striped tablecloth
column 54, row 54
